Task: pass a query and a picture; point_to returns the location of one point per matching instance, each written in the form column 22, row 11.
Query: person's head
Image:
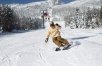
column 52, row 25
column 58, row 25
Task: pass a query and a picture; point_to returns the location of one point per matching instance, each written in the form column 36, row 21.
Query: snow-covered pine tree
column 101, row 15
column 7, row 19
column 0, row 18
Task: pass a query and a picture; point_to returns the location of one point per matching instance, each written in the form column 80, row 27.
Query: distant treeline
column 10, row 21
column 84, row 18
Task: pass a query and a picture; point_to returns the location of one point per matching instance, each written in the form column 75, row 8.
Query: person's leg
column 65, row 41
column 62, row 41
column 57, row 43
column 66, row 44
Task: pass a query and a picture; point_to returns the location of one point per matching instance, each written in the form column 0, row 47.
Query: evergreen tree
column 8, row 19
column 101, row 14
column 0, row 17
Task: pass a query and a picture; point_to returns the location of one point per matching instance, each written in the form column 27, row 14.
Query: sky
column 25, row 1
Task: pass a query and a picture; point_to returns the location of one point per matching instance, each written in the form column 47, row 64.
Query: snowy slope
column 80, row 3
column 26, row 5
column 32, row 9
column 29, row 49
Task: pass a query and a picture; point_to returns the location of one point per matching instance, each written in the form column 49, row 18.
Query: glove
column 46, row 40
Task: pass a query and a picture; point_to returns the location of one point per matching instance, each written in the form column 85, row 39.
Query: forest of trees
column 74, row 18
column 10, row 21
column 88, row 18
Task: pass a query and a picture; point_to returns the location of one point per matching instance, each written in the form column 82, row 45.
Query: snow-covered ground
column 29, row 49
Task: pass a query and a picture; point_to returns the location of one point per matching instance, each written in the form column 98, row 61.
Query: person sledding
column 54, row 32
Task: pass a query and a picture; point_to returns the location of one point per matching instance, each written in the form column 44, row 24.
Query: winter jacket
column 53, row 32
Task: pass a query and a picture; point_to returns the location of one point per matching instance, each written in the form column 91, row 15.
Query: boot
column 66, row 47
column 57, row 49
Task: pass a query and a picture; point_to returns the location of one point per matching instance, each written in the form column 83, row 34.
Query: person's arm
column 48, row 35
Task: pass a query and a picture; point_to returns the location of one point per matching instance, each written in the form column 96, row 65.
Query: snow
column 80, row 3
column 29, row 49
column 26, row 5
column 34, row 9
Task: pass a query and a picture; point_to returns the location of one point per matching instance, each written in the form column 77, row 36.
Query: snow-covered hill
column 80, row 3
column 25, row 5
column 34, row 9
column 29, row 49
column 70, row 8
column 31, row 9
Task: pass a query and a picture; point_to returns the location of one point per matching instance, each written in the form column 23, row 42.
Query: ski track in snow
column 29, row 49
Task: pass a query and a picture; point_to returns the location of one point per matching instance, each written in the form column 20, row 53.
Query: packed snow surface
column 29, row 49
